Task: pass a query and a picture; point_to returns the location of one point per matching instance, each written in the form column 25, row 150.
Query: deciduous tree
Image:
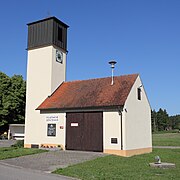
column 12, row 100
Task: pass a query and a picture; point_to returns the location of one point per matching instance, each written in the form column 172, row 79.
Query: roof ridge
column 100, row 78
column 90, row 93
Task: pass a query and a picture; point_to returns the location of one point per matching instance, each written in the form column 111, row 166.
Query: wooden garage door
column 84, row 131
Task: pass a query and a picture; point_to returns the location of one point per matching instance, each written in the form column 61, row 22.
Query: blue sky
column 143, row 36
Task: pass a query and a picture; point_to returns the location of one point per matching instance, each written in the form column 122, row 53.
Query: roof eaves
column 49, row 18
column 137, row 75
column 82, row 108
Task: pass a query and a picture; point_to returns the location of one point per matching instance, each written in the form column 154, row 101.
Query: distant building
column 88, row 115
column 16, row 131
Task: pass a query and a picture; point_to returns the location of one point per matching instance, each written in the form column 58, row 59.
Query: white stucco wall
column 58, row 71
column 137, row 120
column 111, row 129
column 59, row 119
column 44, row 75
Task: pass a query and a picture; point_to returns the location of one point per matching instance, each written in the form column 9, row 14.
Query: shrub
column 19, row 144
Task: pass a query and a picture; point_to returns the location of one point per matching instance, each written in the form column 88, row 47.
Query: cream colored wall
column 58, row 71
column 111, row 129
column 43, row 77
column 59, row 139
column 137, row 120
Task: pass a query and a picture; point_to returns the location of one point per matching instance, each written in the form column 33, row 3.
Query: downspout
column 121, row 132
column 121, row 119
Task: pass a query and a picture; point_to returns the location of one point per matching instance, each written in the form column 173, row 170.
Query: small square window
column 114, row 141
column 34, row 146
column 139, row 93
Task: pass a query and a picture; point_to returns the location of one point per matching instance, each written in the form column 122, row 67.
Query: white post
column 112, row 82
column 9, row 132
column 112, row 63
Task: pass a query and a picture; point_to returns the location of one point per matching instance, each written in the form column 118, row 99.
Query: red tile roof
column 91, row 93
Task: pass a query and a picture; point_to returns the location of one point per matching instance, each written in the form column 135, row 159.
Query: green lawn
column 166, row 139
column 115, row 167
column 11, row 152
column 136, row 167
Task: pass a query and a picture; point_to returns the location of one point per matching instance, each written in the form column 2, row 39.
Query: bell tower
column 46, row 68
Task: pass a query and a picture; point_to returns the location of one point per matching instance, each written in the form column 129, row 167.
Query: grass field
column 11, row 152
column 166, row 139
column 136, row 167
column 115, row 167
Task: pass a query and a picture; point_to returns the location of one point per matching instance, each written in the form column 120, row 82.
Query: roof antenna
column 48, row 14
column 112, row 63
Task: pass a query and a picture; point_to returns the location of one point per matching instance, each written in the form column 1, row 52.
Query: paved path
column 7, row 143
column 167, row 147
column 8, row 172
column 50, row 161
column 39, row 166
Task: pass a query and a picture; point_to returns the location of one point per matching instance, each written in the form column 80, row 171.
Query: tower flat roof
column 49, row 18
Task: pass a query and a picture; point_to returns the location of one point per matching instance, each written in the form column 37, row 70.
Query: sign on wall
column 51, row 130
column 52, row 118
column 74, row 124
